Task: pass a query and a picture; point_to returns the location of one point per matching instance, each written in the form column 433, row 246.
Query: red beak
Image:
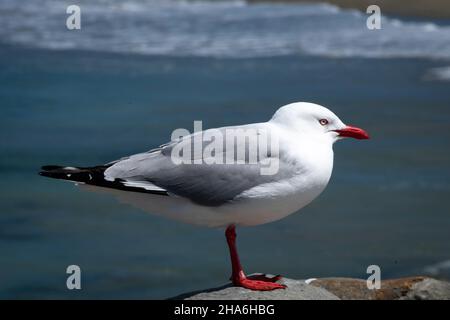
column 353, row 132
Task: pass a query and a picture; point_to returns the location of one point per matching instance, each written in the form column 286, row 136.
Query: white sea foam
column 232, row 29
column 440, row 74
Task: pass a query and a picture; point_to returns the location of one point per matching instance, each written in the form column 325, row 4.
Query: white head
column 317, row 121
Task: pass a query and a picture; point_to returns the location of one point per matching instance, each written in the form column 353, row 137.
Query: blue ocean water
column 108, row 90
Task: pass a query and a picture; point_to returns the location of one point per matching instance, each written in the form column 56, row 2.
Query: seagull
column 226, row 185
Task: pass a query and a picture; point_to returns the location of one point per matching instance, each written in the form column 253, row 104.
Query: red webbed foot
column 259, row 283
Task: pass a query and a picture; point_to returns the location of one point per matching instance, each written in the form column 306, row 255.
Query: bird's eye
column 323, row 122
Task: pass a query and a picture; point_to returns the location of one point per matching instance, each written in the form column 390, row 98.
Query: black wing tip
column 46, row 171
column 78, row 174
column 43, row 173
column 92, row 176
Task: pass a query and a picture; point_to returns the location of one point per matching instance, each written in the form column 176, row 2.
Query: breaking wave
column 231, row 29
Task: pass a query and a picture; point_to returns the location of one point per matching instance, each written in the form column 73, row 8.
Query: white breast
column 273, row 201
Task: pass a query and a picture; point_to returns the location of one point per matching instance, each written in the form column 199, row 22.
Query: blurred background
column 138, row 69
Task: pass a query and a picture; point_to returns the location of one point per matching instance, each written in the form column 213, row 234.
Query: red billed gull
column 215, row 179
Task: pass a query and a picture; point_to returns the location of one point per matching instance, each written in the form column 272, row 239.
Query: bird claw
column 259, row 282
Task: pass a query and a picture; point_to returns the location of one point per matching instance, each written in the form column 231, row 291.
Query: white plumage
column 223, row 194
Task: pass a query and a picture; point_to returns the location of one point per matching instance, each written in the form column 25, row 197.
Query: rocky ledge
column 412, row 288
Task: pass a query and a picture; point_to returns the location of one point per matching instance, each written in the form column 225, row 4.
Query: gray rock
column 429, row 289
column 296, row 290
column 411, row 288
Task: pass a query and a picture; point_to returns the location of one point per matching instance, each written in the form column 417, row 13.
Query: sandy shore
column 418, row 8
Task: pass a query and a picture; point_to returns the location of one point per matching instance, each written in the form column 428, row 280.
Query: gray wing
column 201, row 179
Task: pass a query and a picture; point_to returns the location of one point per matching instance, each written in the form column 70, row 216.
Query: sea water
column 139, row 69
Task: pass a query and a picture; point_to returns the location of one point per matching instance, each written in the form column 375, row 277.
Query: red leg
column 238, row 277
